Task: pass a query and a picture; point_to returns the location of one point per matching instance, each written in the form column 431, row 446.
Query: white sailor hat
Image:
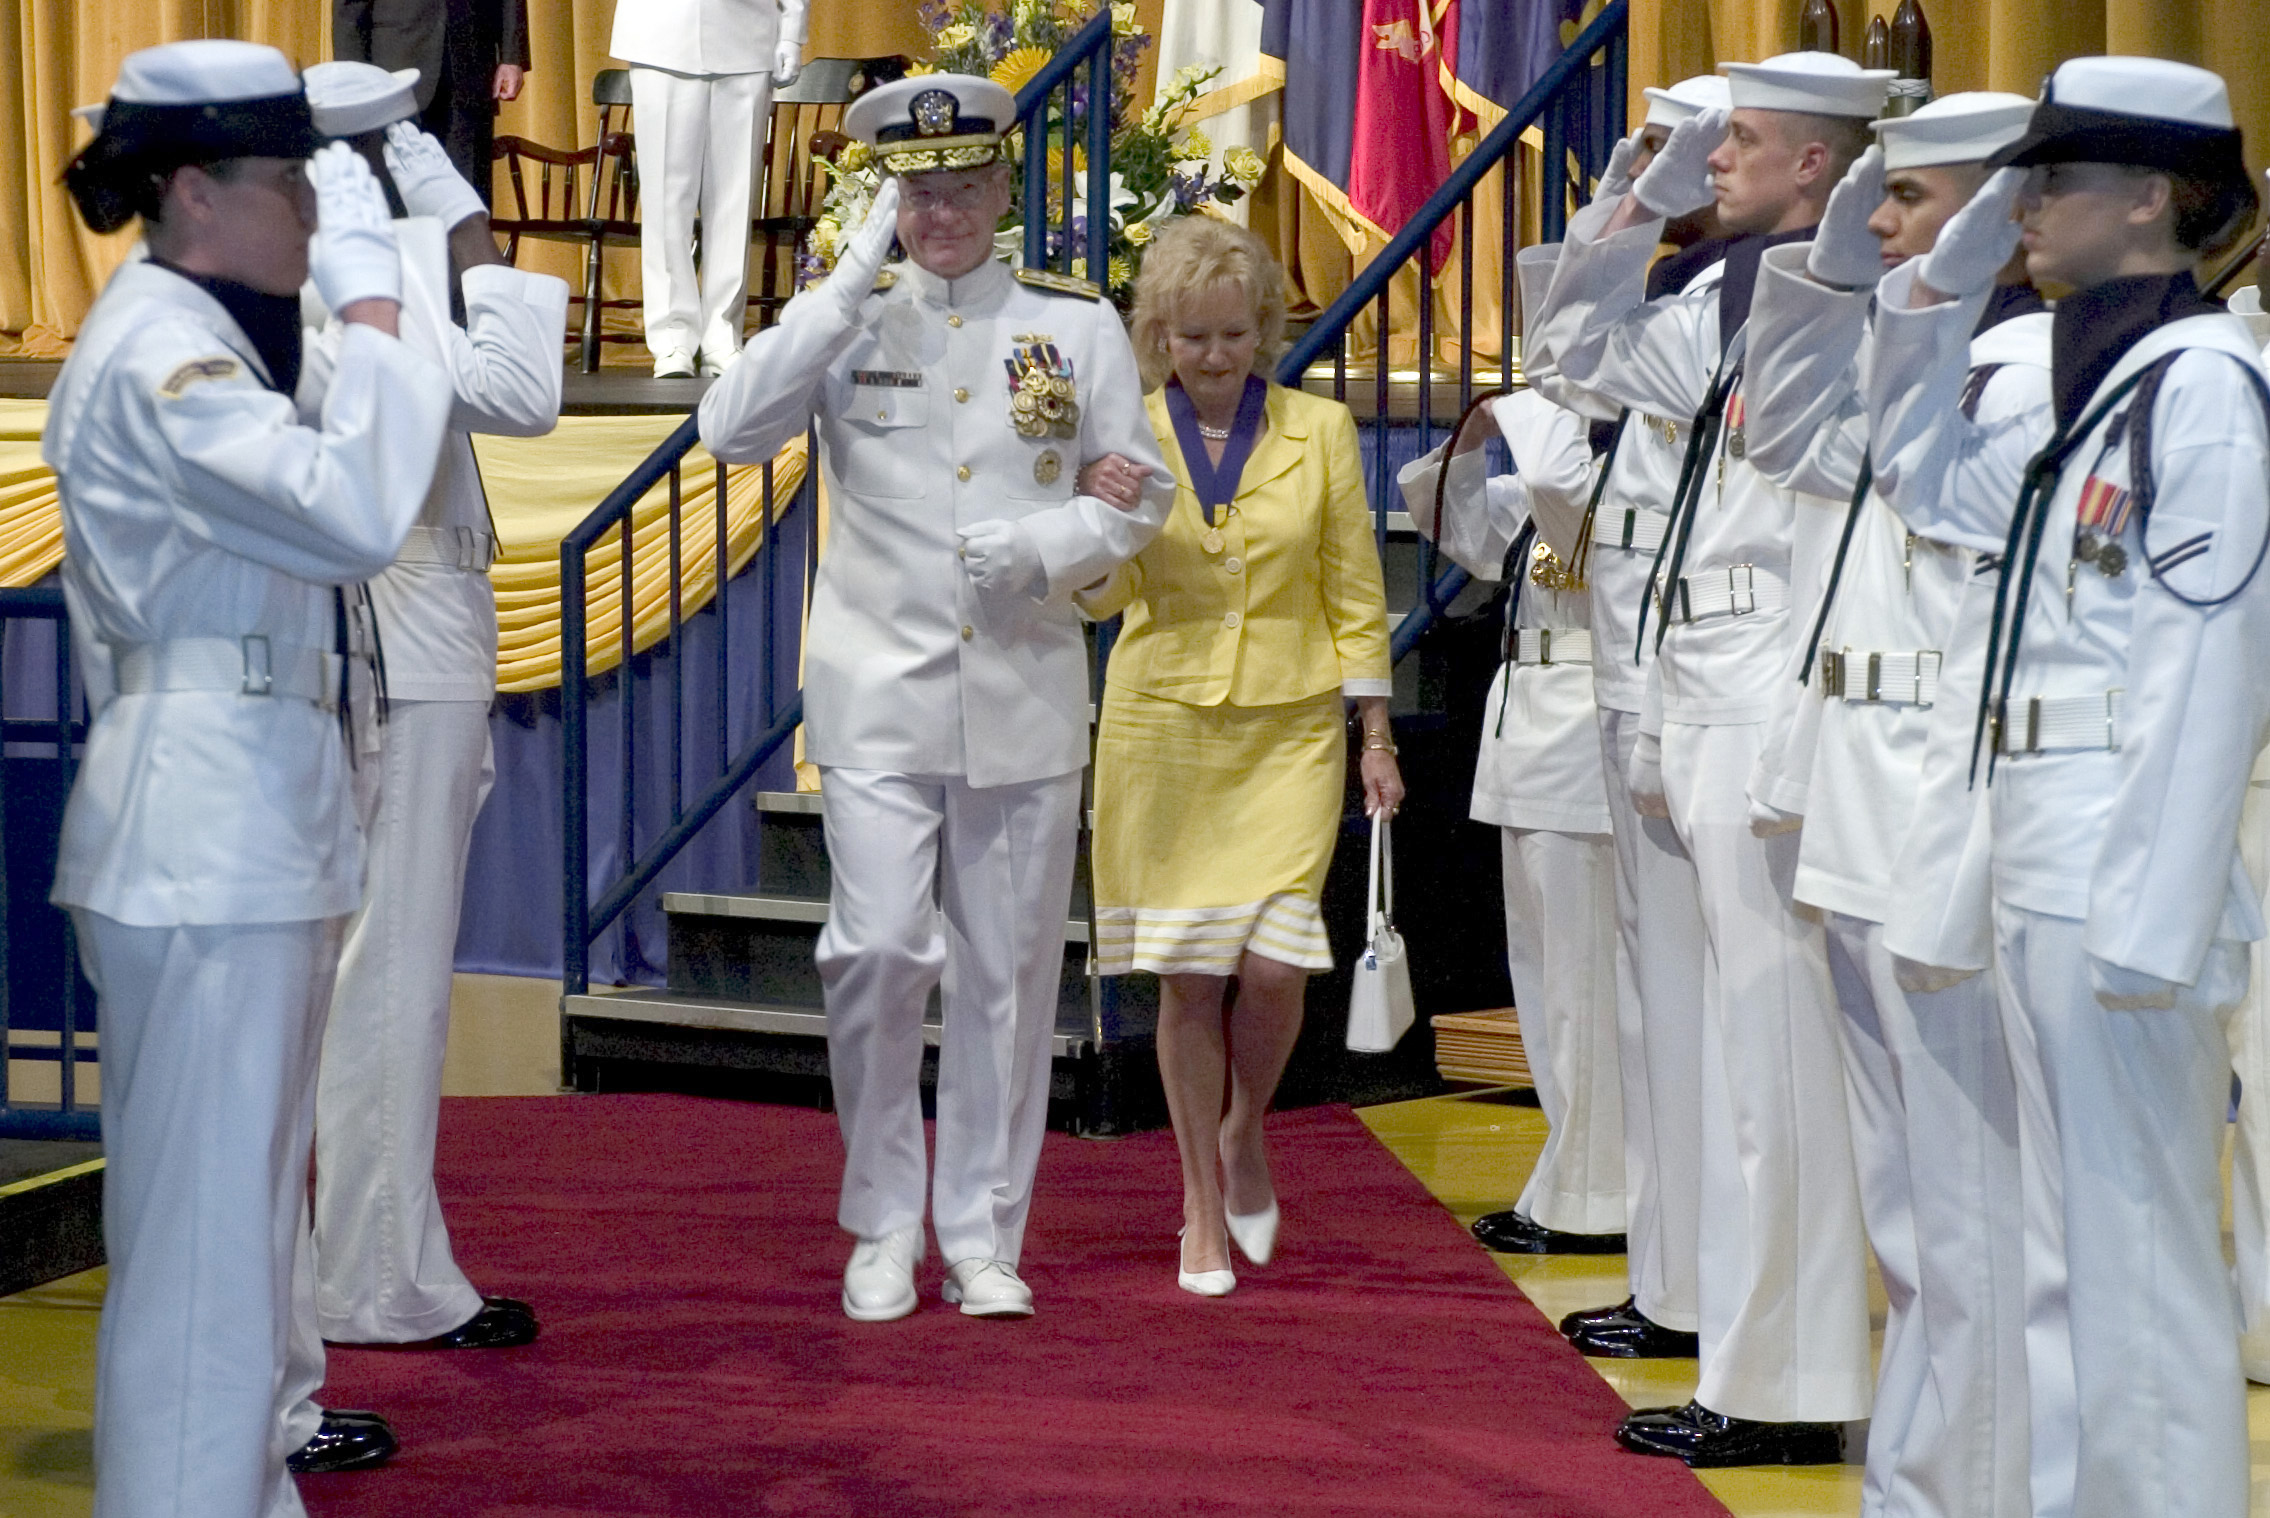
column 1969, row 127
column 2151, row 112
column 933, row 121
column 349, row 99
column 1818, row 84
column 1686, row 99
column 199, row 101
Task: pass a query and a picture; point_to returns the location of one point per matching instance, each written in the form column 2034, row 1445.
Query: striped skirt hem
column 1210, row 940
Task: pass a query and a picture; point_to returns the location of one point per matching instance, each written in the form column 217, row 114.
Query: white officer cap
column 2150, row 112
column 1687, row 99
column 1969, row 127
column 349, row 99
column 1818, row 84
column 933, row 121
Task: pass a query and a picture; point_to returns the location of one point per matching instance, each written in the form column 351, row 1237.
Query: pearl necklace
column 1213, row 434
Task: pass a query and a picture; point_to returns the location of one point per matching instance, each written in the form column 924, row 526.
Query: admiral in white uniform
column 1783, row 1299
column 1934, row 1110
column 209, row 852
column 1537, row 778
column 946, row 671
column 702, row 77
column 384, row 1270
column 2126, row 711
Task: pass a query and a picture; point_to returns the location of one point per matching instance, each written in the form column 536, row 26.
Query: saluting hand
column 1974, row 244
column 1845, row 253
column 1678, row 181
column 353, row 256
column 429, row 182
column 863, row 256
column 1114, row 480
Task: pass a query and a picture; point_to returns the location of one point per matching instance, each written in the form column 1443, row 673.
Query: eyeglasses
column 967, row 198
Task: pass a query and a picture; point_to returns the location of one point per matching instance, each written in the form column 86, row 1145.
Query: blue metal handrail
column 583, row 919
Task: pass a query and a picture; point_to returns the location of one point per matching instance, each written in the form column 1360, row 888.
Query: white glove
column 1616, row 179
column 1000, row 556
column 1977, row 240
column 1768, row 821
column 352, row 256
column 1845, row 253
column 862, row 257
column 1678, row 181
column 2124, row 990
column 787, row 62
column 1645, row 779
column 1919, row 979
column 429, row 183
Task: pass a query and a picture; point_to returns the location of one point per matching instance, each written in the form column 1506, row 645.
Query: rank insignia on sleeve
column 1041, row 392
column 196, row 372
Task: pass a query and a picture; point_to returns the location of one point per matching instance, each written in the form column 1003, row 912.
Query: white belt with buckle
column 1734, row 592
column 1633, row 527
column 1552, row 645
column 1909, row 679
column 465, row 548
column 248, row 666
column 2042, row 724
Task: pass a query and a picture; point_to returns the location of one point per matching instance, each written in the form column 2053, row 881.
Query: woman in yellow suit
column 1221, row 760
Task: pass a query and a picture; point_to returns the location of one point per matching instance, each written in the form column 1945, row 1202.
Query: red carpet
column 684, row 1258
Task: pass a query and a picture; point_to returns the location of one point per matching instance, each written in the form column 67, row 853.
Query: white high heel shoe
column 1255, row 1233
column 1201, row 1283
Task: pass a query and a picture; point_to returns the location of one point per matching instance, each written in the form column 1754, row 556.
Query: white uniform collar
column 987, row 279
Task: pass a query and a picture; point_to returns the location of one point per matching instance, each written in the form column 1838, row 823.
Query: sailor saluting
column 946, row 677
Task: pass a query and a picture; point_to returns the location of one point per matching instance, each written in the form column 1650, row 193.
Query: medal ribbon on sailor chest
column 1736, row 443
column 2099, row 518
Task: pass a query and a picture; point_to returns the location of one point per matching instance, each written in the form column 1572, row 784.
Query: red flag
column 1402, row 120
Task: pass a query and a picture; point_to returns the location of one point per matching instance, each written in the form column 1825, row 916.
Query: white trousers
column 384, row 1272
column 1783, row 1275
column 1935, row 1139
column 1659, row 975
column 933, row 878
column 2127, row 1130
column 1560, row 946
column 698, row 137
column 209, row 1040
column 2250, row 1148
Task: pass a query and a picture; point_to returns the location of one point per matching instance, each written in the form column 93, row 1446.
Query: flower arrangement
column 1161, row 165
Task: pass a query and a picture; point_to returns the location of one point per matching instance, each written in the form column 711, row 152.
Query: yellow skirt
column 1214, row 829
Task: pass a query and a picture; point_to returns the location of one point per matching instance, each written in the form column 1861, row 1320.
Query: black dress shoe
column 1632, row 1335
column 1706, row 1440
column 1577, row 1320
column 502, row 1323
column 1509, row 1232
column 347, row 1440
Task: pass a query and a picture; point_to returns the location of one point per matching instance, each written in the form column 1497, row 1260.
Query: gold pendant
column 1211, row 540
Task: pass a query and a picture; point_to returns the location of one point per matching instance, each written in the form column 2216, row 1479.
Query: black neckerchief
column 1673, row 272
column 271, row 321
column 2091, row 330
column 1741, row 279
column 2007, row 302
column 1216, row 484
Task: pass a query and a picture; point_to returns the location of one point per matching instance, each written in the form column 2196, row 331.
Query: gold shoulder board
column 884, row 280
column 1058, row 284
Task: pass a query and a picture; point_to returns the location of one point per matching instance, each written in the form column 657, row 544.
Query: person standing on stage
column 702, row 77
column 946, row 671
column 209, row 854
column 1934, row 1107
column 1221, row 755
column 384, row 1273
column 1659, row 949
column 2124, row 709
column 469, row 54
column 1538, row 779
column 1783, row 1298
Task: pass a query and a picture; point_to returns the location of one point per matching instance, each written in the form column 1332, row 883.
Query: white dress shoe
column 1202, row 1283
column 1255, row 1233
column 988, row 1289
column 878, row 1284
column 673, row 366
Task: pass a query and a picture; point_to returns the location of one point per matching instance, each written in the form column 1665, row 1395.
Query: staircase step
column 675, row 1009
column 798, row 909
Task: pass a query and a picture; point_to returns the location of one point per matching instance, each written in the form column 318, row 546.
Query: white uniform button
column 961, row 395
column 953, row 321
column 968, row 633
column 1233, row 564
column 1231, row 621
column 962, row 473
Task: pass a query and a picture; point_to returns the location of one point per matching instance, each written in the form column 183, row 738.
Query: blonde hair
column 1191, row 255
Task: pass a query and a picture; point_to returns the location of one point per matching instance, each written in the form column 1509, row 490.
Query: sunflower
column 1017, row 69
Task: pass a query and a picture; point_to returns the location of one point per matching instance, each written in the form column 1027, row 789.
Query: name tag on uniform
column 888, row 398
column 888, row 379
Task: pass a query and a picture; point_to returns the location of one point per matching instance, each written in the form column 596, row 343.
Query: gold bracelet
column 1379, row 743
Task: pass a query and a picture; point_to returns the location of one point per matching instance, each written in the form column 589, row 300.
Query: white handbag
column 1380, row 1010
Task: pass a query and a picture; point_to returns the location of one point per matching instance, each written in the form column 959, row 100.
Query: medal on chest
column 1041, row 389
column 2100, row 518
column 1211, row 539
column 1547, row 572
column 1736, row 444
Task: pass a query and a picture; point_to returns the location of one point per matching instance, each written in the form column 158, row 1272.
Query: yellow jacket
column 1290, row 607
